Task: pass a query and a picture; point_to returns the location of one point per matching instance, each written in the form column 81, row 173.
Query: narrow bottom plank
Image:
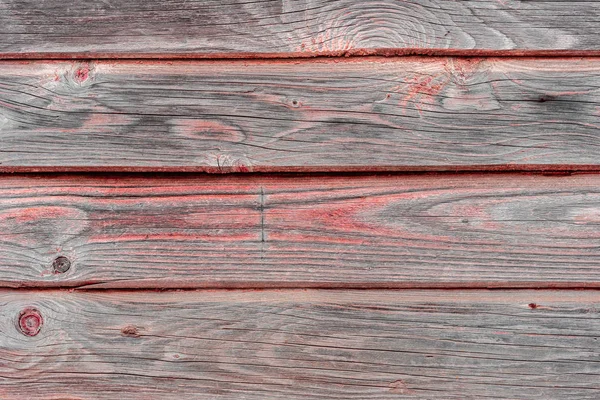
column 299, row 344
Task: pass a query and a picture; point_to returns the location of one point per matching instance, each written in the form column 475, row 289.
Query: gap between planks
column 336, row 56
column 311, row 170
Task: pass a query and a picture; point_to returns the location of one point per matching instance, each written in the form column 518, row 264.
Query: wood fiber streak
column 251, row 231
column 405, row 114
column 282, row 27
column 303, row 345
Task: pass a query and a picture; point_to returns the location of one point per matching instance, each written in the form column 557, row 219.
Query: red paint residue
column 81, row 74
column 421, row 90
column 35, row 214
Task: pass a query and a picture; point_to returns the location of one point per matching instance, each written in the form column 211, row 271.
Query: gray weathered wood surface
column 471, row 230
column 302, row 345
column 235, row 28
column 405, row 114
column 132, row 88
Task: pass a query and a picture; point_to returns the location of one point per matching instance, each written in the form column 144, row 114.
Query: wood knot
column 131, row 331
column 533, row 306
column 61, row 265
column 81, row 74
column 30, row 321
column 77, row 76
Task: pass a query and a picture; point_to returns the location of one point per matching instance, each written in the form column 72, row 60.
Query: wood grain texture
column 302, row 344
column 258, row 231
column 282, row 27
column 405, row 114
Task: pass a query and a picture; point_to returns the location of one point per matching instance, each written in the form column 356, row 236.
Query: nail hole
column 61, row 265
column 295, row 103
column 533, row 306
column 30, row 322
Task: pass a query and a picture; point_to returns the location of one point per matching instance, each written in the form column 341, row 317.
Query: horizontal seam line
column 359, row 53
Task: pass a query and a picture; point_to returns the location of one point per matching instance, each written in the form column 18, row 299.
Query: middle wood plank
column 252, row 231
column 318, row 115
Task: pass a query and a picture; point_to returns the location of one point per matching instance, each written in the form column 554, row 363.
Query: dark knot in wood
column 30, row 322
column 61, row 265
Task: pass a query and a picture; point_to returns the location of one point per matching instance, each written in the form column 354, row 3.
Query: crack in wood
column 262, row 222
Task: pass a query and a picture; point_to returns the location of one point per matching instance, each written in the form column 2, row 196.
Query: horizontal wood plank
column 300, row 345
column 237, row 28
column 388, row 231
column 405, row 114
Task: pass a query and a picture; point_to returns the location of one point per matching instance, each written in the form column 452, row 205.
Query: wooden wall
column 313, row 199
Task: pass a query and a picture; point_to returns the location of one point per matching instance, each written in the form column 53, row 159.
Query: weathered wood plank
column 274, row 28
column 258, row 231
column 301, row 344
column 402, row 114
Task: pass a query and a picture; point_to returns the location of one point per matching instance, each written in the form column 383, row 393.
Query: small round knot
column 30, row 322
column 61, row 265
column 81, row 74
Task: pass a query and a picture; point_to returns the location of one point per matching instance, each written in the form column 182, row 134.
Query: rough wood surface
column 258, row 231
column 301, row 344
column 406, row 114
column 283, row 27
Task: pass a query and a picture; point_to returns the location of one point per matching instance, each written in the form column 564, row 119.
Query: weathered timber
column 300, row 345
column 467, row 230
column 242, row 28
column 405, row 114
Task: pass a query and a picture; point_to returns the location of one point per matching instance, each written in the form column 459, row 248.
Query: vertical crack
column 262, row 222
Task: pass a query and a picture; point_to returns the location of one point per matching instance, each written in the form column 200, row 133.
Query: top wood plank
column 238, row 28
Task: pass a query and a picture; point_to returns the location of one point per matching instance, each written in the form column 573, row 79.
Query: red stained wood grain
column 378, row 115
column 302, row 344
column 380, row 231
column 160, row 87
column 209, row 28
